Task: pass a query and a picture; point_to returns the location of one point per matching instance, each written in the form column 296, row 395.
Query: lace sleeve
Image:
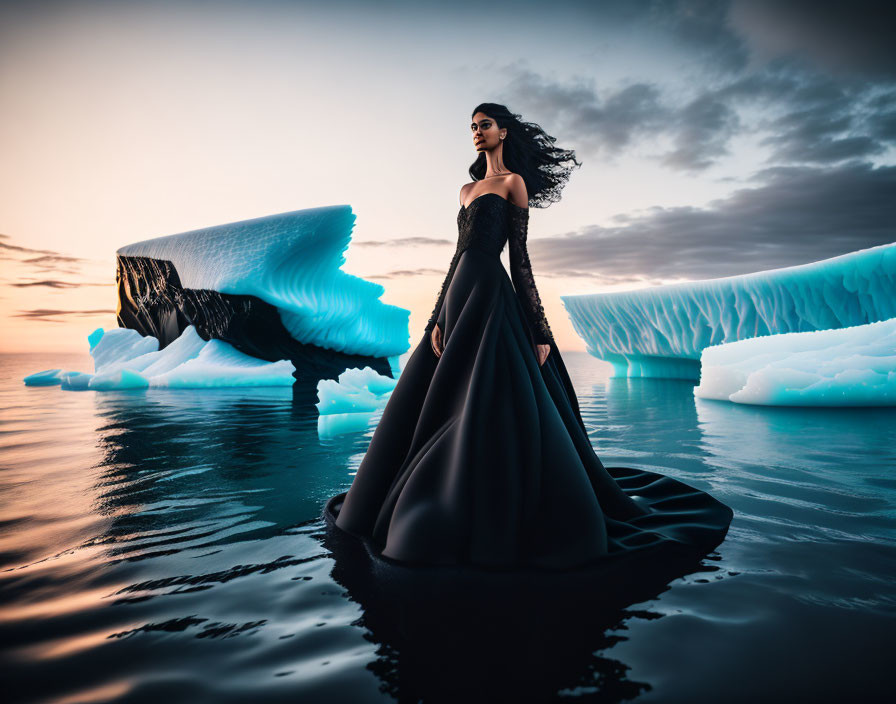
column 523, row 280
column 434, row 318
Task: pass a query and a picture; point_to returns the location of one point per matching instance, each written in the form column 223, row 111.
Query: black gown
column 481, row 457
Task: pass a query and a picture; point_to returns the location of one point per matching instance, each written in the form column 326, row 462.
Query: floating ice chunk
column 189, row 362
column 186, row 347
column 334, row 399
column 370, row 379
column 49, row 377
column 75, row 381
column 218, row 364
column 335, row 424
column 291, row 261
column 661, row 331
column 854, row 366
column 355, row 390
column 117, row 380
column 119, row 346
column 347, row 403
column 95, row 337
column 124, row 359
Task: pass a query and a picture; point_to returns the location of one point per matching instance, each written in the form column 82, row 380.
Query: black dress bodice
column 487, row 224
column 484, row 225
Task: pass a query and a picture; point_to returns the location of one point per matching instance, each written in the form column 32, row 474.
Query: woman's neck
column 494, row 163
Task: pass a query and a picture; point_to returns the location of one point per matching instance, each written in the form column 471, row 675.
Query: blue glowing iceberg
column 125, row 359
column 661, row 331
column 187, row 363
column 272, row 287
column 854, row 366
column 76, row 381
column 349, row 402
column 48, row 377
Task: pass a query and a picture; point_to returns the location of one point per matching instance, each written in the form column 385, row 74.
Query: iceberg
column 118, row 380
column 271, row 287
column 48, row 377
column 113, row 350
column 346, row 405
column 662, row 331
column 220, row 365
column 76, row 381
column 124, row 359
column 853, row 366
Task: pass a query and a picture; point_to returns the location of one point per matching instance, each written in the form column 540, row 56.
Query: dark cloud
column 803, row 146
column 847, row 38
column 797, row 215
column 854, row 37
column 702, row 131
column 825, row 122
column 51, row 315
column 404, row 242
column 602, row 278
column 24, row 250
column 52, row 283
column 699, row 26
column 405, row 273
column 702, row 27
column 818, row 74
column 602, row 125
column 805, row 118
column 47, row 260
column 52, row 259
column 881, row 119
column 605, row 125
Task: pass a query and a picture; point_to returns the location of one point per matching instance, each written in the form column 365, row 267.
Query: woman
column 481, row 457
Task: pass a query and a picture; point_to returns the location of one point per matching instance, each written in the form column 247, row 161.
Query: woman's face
column 486, row 133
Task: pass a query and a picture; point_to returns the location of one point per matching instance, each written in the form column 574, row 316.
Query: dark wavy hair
column 530, row 152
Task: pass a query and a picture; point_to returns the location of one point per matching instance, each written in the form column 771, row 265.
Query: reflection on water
column 168, row 544
column 455, row 637
column 185, row 471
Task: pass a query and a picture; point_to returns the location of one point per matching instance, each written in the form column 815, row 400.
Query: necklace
column 496, row 175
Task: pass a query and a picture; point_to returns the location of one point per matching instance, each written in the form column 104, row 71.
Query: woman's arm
column 523, row 280
column 434, row 317
column 521, row 267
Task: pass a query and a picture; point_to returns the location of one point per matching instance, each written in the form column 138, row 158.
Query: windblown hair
column 530, row 152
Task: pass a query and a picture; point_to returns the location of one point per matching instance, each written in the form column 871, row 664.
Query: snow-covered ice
column 854, row 366
column 346, row 404
column 125, row 359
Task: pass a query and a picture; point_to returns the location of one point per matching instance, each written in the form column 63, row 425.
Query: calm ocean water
column 167, row 546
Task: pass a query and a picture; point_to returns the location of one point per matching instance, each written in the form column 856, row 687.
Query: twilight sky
column 717, row 138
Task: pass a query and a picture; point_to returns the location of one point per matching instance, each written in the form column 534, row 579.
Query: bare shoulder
column 464, row 190
column 516, row 189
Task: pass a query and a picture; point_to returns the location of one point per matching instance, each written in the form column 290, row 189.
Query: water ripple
column 168, row 546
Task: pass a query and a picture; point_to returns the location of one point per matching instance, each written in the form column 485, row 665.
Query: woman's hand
column 541, row 351
column 435, row 340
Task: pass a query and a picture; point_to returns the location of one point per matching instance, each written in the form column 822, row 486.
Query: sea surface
column 167, row 546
